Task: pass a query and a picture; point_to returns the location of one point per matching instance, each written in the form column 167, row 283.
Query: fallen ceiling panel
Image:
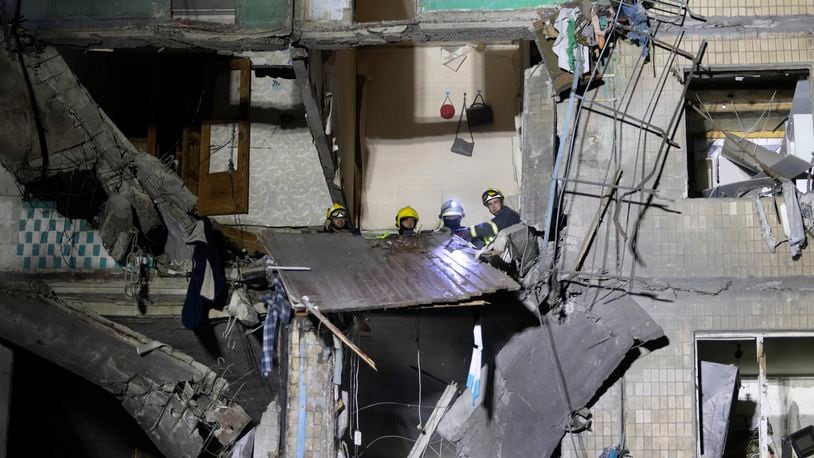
column 526, row 411
column 349, row 273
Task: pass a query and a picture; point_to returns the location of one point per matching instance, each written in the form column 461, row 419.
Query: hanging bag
column 447, row 108
column 479, row 113
column 461, row 146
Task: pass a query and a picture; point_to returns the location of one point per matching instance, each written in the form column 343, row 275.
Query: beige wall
column 407, row 143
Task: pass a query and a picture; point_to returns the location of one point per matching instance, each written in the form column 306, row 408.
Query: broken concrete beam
column 150, row 387
column 6, row 370
column 267, row 433
column 79, row 136
column 232, row 420
column 115, row 223
column 536, row 388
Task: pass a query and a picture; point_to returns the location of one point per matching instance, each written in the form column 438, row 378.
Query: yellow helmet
column 490, row 194
column 337, row 210
column 406, row 212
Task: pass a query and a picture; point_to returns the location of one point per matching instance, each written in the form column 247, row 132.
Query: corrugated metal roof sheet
column 350, row 273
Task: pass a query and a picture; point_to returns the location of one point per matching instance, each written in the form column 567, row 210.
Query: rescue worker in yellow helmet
column 482, row 234
column 407, row 220
column 337, row 219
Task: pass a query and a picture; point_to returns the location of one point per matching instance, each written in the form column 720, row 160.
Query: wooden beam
column 437, row 414
column 746, row 107
column 317, row 127
column 324, row 320
column 717, row 134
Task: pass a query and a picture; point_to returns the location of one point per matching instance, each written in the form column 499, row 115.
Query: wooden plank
column 717, row 134
column 317, row 127
column 350, row 273
column 244, row 240
column 314, row 311
column 471, row 275
column 190, row 159
column 441, row 407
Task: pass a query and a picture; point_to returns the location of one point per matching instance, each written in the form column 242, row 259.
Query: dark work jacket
column 505, row 217
column 328, row 227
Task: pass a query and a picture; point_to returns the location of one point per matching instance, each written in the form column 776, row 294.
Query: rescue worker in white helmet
column 451, row 215
column 503, row 216
column 482, row 234
column 407, row 220
column 337, row 219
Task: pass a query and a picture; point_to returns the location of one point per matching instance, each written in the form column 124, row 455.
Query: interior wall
column 34, row 237
column 406, row 143
column 286, row 185
column 10, row 208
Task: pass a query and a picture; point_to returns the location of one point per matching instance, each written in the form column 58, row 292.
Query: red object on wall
column 447, row 108
column 447, row 111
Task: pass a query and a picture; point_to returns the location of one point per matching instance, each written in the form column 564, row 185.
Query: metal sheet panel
column 718, row 385
column 525, row 412
column 350, row 273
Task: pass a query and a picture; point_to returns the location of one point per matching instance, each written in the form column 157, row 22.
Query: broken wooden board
column 349, row 273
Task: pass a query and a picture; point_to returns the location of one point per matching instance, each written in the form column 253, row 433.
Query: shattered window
column 748, row 131
column 736, row 417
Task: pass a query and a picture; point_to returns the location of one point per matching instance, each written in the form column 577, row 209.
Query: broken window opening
column 215, row 11
column 771, row 392
column 384, row 10
column 223, row 176
column 740, row 131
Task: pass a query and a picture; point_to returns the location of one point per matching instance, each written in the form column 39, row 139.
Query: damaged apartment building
column 168, row 169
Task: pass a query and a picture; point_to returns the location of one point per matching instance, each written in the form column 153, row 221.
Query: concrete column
column 310, row 420
column 6, row 369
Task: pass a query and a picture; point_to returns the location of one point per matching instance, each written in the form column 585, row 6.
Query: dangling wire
column 132, row 267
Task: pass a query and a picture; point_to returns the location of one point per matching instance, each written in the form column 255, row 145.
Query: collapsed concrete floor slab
column 543, row 375
column 175, row 399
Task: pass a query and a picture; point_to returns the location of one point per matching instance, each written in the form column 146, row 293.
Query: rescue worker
column 407, row 220
column 503, row 216
column 482, row 234
column 337, row 219
column 451, row 215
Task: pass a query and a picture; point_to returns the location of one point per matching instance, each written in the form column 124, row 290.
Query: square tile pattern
column 48, row 241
